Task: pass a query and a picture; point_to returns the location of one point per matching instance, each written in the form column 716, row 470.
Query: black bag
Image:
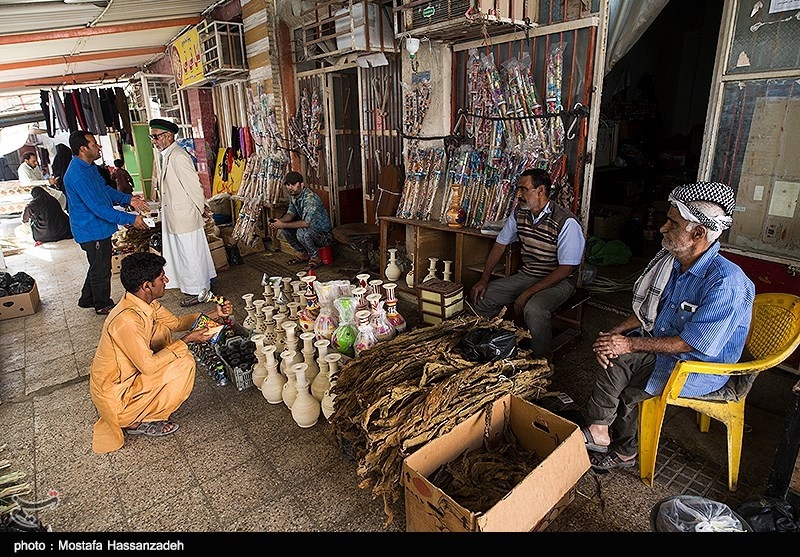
column 489, row 344
column 234, row 255
column 769, row 514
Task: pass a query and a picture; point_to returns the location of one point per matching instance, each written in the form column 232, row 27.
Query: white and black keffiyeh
column 714, row 192
column 649, row 286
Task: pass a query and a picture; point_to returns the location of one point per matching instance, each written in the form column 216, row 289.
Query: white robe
column 189, row 264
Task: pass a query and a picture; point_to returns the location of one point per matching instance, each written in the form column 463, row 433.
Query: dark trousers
column 615, row 399
column 96, row 291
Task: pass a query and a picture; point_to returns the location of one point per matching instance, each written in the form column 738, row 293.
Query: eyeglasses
column 155, row 136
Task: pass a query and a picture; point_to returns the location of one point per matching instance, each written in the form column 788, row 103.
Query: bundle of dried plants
column 404, row 392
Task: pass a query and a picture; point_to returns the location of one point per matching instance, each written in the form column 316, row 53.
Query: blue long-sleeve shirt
column 92, row 215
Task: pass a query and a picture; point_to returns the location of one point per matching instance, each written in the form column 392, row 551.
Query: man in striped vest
column 551, row 245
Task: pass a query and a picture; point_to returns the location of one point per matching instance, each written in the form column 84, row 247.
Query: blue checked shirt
column 709, row 307
column 308, row 206
column 91, row 203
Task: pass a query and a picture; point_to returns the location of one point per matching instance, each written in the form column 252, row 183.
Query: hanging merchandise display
column 304, row 128
column 423, row 179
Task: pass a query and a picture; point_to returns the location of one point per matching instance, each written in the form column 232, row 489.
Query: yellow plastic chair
column 774, row 335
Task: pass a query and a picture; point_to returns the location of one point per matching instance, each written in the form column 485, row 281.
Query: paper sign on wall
column 784, row 199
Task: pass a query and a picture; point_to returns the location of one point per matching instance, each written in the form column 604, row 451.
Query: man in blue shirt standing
column 306, row 224
column 690, row 303
column 93, row 218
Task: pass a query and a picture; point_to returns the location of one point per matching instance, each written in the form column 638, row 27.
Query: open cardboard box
column 532, row 505
column 19, row 305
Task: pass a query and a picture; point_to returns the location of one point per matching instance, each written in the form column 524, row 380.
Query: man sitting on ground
column 139, row 375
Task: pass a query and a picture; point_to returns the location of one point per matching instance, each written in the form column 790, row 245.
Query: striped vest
column 539, row 242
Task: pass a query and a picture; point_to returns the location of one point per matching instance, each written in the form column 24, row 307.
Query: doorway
column 654, row 107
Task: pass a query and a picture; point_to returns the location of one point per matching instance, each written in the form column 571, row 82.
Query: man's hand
column 479, row 290
column 207, row 212
column 139, row 223
column 224, row 310
column 200, row 335
column 609, row 346
column 138, row 203
column 519, row 303
column 277, row 224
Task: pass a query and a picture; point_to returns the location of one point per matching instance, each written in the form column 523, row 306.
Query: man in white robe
column 183, row 213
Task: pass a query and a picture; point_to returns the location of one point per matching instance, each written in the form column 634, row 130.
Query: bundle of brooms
column 401, row 393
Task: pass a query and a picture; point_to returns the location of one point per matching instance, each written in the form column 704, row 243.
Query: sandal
column 189, row 301
column 608, row 462
column 589, row 441
column 312, row 264
column 154, row 429
column 297, row 261
column 104, row 311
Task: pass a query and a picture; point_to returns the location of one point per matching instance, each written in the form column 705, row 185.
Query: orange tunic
column 138, row 373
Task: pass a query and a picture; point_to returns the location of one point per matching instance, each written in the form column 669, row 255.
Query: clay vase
column 448, row 270
column 455, row 216
column 410, row 276
column 295, row 284
column 392, row 271
column 321, row 382
column 288, row 359
column 289, row 393
column 309, row 355
column 432, row 261
column 260, row 326
column 280, row 332
column 249, row 321
column 290, row 327
column 363, row 280
column 375, row 286
column 397, row 320
column 366, row 338
column 305, row 408
column 361, row 295
column 272, row 387
column 327, row 402
column 260, row 368
column 269, row 325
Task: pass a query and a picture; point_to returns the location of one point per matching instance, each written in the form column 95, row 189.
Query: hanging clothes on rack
column 97, row 112
column 48, row 111
column 58, row 105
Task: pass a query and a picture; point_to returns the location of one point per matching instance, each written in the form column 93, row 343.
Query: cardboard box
column 220, row 258
column 531, row 505
column 19, row 305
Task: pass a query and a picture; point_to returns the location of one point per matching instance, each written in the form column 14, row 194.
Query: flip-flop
column 608, row 462
column 590, row 444
column 104, row 311
column 190, row 301
column 297, row 261
column 312, row 265
column 154, row 429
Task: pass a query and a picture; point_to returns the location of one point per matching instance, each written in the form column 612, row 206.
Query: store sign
column 186, row 60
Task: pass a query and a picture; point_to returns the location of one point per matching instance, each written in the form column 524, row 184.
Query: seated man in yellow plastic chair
column 690, row 303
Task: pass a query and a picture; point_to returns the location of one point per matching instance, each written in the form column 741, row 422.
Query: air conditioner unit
column 223, row 49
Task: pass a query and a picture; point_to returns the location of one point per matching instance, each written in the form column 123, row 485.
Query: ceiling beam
column 74, row 59
column 72, row 79
column 95, row 31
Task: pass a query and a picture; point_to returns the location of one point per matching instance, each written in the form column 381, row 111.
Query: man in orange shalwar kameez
column 139, row 375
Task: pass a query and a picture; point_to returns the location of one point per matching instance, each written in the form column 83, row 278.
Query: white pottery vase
column 289, row 393
column 392, row 271
column 260, row 325
column 321, row 382
column 272, row 387
column 327, row 403
column 305, row 408
column 260, row 368
column 410, row 276
column 309, row 357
